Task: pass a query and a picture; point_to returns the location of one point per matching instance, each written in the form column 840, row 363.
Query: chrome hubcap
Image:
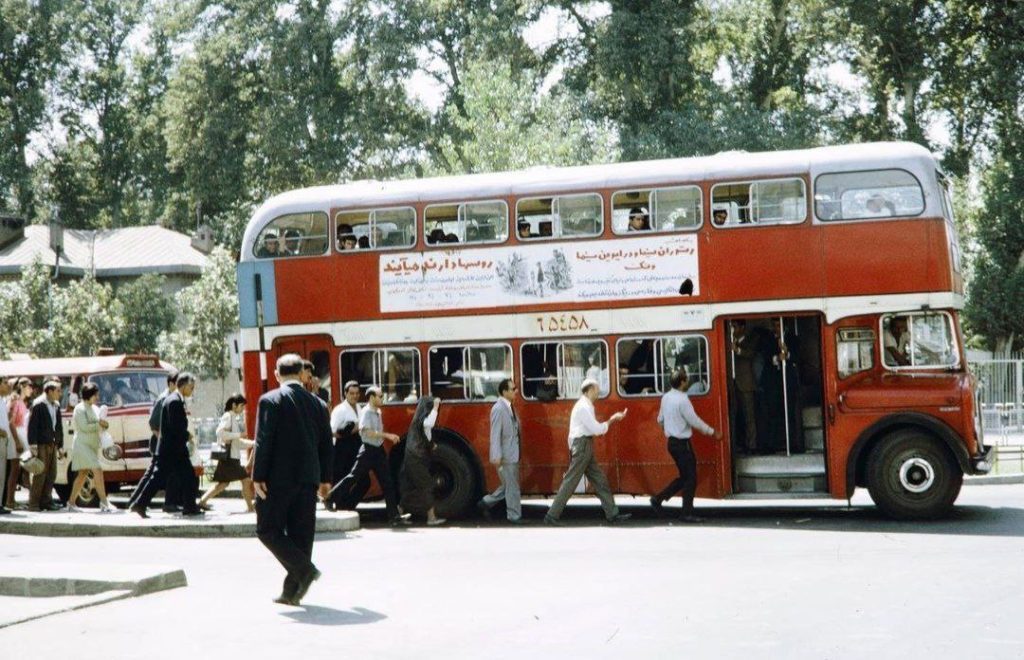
column 917, row 475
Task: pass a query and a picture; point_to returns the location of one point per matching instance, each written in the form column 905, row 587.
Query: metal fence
column 1001, row 390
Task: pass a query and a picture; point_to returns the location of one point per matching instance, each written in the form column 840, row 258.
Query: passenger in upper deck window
column 878, row 206
column 436, row 235
column 639, row 219
column 292, row 242
column 720, row 217
column 271, row 247
column 523, row 229
column 347, row 242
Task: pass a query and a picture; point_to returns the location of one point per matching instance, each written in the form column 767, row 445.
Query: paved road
column 781, row 581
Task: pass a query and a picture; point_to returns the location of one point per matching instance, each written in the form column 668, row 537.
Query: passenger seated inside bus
column 720, row 217
column 435, row 236
column 878, row 206
column 292, row 242
column 547, row 390
column 348, row 242
column 523, row 229
column 270, row 248
column 364, row 242
column 451, row 238
column 639, row 219
column 545, row 228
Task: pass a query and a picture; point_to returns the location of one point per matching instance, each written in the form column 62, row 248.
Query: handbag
column 220, row 451
column 31, row 463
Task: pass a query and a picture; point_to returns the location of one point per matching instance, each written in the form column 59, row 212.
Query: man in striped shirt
column 678, row 419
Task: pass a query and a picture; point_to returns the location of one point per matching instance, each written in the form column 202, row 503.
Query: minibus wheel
column 912, row 476
column 87, row 498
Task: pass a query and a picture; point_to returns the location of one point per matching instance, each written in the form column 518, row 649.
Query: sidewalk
column 227, row 519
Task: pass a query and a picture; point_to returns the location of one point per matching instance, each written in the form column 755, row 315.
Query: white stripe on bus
column 592, row 322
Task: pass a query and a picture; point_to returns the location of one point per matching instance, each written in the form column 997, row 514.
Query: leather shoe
column 141, row 510
column 553, row 522
column 656, row 503
column 193, row 514
column 285, row 600
column 4, row 511
column 620, row 517
column 690, row 518
column 304, row 584
column 52, row 506
column 484, row 510
column 172, row 509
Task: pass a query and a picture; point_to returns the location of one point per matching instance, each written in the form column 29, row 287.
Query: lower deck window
column 919, row 340
column 556, row 370
column 646, row 364
column 469, row 373
column 395, row 370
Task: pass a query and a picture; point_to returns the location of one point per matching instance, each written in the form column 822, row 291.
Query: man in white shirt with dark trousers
column 678, row 419
column 583, row 427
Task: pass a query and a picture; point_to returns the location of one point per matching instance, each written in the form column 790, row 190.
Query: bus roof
column 541, row 180
column 74, row 366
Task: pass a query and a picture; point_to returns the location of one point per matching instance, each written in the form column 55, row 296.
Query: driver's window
column 919, row 340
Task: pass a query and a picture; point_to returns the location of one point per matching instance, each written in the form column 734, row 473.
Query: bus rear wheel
column 454, row 481
column 911, row 476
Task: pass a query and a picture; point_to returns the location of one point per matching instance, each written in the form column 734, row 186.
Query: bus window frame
column 259, row 238
column 430, row 381
column 458, row 214
column 555, row 340
column 671, row 335
column 737, row 225
column 650, row 210
column 90, row 378
column 875, row 345
column 953, row 237
column 382, row 386
column 372, row 211
column 557, row 214
column 957, row 366
column 814, row 201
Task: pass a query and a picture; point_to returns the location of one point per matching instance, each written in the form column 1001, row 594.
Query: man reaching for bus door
column 678, row 419
column 583, row 427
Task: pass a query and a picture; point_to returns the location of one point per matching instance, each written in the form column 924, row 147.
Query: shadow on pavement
column 965, row 520
column 317, row 615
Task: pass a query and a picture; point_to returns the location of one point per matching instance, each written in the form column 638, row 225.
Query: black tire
column 455, row 482
column 87, row 499
column 913, row 476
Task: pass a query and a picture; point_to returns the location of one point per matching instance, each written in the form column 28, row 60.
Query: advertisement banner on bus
column 654, row 267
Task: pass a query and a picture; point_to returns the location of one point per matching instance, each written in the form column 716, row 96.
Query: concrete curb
column 79, row 604
column 994, row 480
column 46, row 581
column 159, row 525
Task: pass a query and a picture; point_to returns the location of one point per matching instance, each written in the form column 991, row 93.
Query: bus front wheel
column 911, row 476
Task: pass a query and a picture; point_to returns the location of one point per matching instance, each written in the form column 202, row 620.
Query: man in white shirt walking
column 345, row 427
column 583, row 427
column 504, row 454
column 678, row 419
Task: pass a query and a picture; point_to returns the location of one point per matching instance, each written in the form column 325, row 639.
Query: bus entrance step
column 814, row 439
column 797, row 464
column 795, row 483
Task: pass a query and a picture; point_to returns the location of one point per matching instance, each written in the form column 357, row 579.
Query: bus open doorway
column 775, row 405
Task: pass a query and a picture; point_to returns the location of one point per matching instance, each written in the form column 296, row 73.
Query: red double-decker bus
column 811, row 296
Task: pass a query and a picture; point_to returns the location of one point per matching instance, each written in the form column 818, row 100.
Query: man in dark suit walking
column 154, row 426
column 173, row 466
column 292, row 456
column 45, row 439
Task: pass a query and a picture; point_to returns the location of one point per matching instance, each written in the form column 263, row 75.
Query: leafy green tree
column 31, row 48
column 209, row 312
column 152, row 313
column 87, row 317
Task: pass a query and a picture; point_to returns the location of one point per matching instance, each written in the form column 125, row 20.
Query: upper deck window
column 662, row 209
column 559, row 217
column 466, row 222
column 376, row 229
column 293, row 235
column 774, row 202
column 919, row 340
column 868, row 194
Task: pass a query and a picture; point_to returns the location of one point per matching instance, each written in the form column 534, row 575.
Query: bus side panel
column 863, row 258
column 737, row 266
column 304, row 287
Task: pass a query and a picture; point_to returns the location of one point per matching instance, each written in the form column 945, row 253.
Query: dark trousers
column 346, row 449
column 286, row 523
column 682, row 453
column 41, row 492
column 171, row 498
column 372, row 459
column 174, row 473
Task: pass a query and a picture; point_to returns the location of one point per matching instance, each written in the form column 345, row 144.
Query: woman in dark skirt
column 229, row 433
column 415, row 482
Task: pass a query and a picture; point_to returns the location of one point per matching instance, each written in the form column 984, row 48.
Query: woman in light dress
column 85, row 452
column 230, row 433
column 20, row 396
